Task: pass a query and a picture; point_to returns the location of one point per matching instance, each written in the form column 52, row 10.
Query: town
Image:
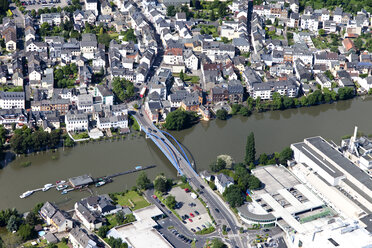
column 77, row 71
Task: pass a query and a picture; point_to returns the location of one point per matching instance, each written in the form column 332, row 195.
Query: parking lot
column 38, row 4
column 191, row 210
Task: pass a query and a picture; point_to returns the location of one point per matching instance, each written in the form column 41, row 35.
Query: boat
column 64, row 192
column 47, row 187
column 138, row 167
column 61, row 187
column 27, row 193
column 60, row 182
column 99, row 184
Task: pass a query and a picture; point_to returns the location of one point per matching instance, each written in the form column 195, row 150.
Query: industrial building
column 138, row 234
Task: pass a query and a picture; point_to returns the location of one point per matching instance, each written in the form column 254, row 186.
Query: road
column 224, row 215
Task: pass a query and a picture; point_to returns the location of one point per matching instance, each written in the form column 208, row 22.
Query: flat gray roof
column 341, row 161
column 255, row 217
column 80, row 180
column 316, row 158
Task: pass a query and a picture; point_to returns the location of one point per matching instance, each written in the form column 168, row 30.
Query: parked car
column 184, row 222
column 192, row 215
column 192, row 229
column 187, row 190
column 204, row 226
column 154, row 196
column 198, row 228
column 196, row 212
column 190, row 220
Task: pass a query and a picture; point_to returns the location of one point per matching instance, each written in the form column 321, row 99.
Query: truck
column 143, row 91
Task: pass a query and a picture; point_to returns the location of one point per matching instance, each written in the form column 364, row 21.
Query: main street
column 219, row 209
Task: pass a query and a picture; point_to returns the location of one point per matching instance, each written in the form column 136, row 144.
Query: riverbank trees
column 26, row 140
column 250, row 150
column 180, row 119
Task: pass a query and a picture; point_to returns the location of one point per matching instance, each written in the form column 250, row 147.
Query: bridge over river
column 180, row 161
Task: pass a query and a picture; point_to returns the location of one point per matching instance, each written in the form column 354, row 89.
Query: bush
column 179, row 119
column 221, row 114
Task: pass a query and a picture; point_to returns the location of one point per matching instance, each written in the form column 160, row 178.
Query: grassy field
column 134, row 197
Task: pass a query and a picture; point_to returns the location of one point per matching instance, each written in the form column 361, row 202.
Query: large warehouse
column 341, row 183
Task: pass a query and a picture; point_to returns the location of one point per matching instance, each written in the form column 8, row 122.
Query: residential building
column 222, row 182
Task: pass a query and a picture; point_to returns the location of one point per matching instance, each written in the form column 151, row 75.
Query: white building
column 10, row 100
column 92, row 5
column 76, row 121
column 222, row 182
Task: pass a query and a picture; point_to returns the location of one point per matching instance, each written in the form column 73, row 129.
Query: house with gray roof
column 80, row 238
column 222, row 182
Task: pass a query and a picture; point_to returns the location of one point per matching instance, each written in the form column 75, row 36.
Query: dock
column 85, row 180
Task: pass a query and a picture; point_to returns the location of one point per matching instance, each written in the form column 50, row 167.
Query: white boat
column 138, row 167
column 60, row 182
column 47, row 187
column 61, row 187
column 99, row 184
column 27, row 193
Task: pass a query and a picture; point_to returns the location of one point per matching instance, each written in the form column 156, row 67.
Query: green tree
column 32, row 219
column 179, row 119
column 123, row 89
column 171, row 11
column 321, row 32
column 235, row 108
column 161, row 184
column 244, row 111
column 212, row 16
column 218, row 165
column 143, row 182
column 221, row 114
column 130, row 36
column 182, row 76
column 119, row 217
column 234, row 196
column 358, row 43
column 12, row 224
column 285, row 155
column 26, row 232
column 217, row 243
column 102, row 231
column 263, row 159
column 69, row 142
column 346, row 93
column 117, row 243
column 221, row 10
column 250, row 149
column 104, row 38
column 171, row 202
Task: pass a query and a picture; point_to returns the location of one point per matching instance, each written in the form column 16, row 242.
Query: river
column 273, row 131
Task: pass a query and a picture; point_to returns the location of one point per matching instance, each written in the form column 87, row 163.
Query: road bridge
column 179, row 159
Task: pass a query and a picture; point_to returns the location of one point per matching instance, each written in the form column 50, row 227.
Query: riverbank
column 273, row 131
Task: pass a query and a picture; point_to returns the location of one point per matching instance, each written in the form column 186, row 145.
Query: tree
column 123, row 89
column 182, row 76
column 235, row 108
column 250, row 150
column 117, row 243
column 285, row 155
column 69, row 142
column 171, row 11
column 104, row 38
column 26, row 232
column 358, row 43
column 161, row 184
column 143, row 182
column 171, row 202
column 222, row 114
column 218, row 165
column 263, row 159
column 119, row 217
column 12, row 224
column 234, row 196
column 217, row 243
column 179, row 119
column 32, row 219
column 130, row 36
column 212, row 16
column 221, row 10
column 102, row 231
column 244, row 111
column 346, row 93
column 253, row 182
column 321, row 32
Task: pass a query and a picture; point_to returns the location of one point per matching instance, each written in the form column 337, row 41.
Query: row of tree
column 284, row 102
column 26, row 140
